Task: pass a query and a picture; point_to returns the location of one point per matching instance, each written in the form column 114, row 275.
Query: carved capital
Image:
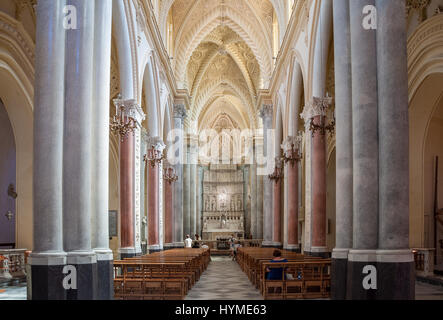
column 316, row 107
column 180, row 111
column 266, row 111
column 154, row 142
column 130, row 108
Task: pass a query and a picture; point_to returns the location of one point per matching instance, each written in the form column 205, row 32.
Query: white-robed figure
column 188, row 241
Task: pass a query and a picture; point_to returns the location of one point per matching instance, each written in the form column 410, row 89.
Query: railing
column 212, row 244
column 12, row 264
column 424, row 261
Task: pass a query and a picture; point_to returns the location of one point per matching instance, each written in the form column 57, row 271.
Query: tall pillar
column 127, row 243
column 315, row 113
column 48, row 258
column 77, row 153
column 179, row 116
column 154, row 243
column 291, row 147
column 254, row 209
column 193, row 142
column 187, row 191
column 258, row 142
column 277, row 235
column 343, row 110
column 100, row 149
column 169, row 212
column 266, row 114
column 365, row 151
column 395, row 259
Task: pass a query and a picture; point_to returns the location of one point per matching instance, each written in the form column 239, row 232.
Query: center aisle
column 223, row 280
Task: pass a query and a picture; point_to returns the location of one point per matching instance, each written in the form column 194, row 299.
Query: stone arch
column 425, row 69
column 17, row 94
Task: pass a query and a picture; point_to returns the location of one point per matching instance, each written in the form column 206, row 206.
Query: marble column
column 343, row 111
column 291, row 147
column 193, row 183
column 187, row 191
column 266, row 114
column 395, row 259
column 169, row 213
column 127, row 243
column 179, row 116
column 259, row 194
column 365, row 151
column 77, row 153
column 254, row 209
column 277, row 238
column 48, row 257
column 100, row 149
column 154, row 241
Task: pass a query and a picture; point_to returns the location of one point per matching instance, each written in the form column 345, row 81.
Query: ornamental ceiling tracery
column 222, row 48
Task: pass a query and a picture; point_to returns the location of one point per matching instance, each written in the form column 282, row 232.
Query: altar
column 223, row 202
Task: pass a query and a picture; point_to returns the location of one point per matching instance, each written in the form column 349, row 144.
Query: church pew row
column 167, row 275
column 305, row 277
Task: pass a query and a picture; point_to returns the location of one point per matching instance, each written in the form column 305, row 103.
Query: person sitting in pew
column 276, row 273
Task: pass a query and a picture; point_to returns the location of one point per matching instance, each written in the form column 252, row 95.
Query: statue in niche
column 213, row 205
column 223, row 222
column 239, row 205
column 232, row 205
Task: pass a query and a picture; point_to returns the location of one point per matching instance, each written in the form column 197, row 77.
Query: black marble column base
column 87, row 283
column 338, row 279
column 155, row 250
column 105, row 289
column 323, row 255
column 47, row 282
column 127, row 255
column 395, row 281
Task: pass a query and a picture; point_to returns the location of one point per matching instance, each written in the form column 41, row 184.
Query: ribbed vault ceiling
column 222, row 54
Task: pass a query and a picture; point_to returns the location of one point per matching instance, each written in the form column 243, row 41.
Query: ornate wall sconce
column 277, row 175
column 319, row 108
column 11, row 191
column 292, row 149
column 155, row 153
column 128, row 116
column 169, row 175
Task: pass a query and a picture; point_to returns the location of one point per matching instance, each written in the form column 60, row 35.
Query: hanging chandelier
column 169, row 175
column 292, row 149
column 128, row 116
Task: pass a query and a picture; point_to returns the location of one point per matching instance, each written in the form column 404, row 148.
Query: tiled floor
column 224, row 280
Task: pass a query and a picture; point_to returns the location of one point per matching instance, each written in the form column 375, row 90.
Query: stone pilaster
column 77, row 146
column 365, row 151
column 48, row 257
column 100, row 149
column 266, row 113
column 343, row 110
column 179, row 116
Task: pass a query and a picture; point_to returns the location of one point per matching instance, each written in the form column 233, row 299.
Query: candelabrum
column 278, row 172
column 169, row 175
column 153, row 157
column 123, row 122
column 292, row 149
column 317, row 112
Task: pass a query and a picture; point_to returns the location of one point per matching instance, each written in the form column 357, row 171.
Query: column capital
column 266, row 111
column 131, row 108
column 293, row 142
column 154, row 142
column 180, row 111
column 316, row 107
